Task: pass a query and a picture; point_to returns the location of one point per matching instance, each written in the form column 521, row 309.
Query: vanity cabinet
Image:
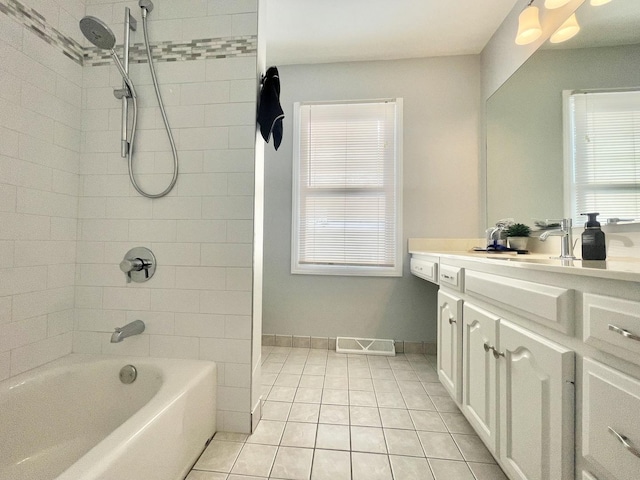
column 543, row 359
column 518, row 395
column 450, row 337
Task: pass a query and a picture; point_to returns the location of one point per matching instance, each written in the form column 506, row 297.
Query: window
column 603, row 156
column 347, row 188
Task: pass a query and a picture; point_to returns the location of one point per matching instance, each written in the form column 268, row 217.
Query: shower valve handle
column 139, row 265
column 134, row 264
column 129, row 265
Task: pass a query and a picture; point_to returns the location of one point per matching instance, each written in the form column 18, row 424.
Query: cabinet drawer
column 452, row 277
column 551, row 306
column 425, row 269
column 611, row 402
column 612, row 324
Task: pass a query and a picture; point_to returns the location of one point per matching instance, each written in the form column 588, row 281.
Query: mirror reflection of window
column 602, row 155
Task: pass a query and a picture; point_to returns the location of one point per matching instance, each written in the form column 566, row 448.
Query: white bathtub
column 73, row 419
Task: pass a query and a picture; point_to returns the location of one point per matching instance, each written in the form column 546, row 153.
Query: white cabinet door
column 479, row 379
column 450, row 343
column 536, row 406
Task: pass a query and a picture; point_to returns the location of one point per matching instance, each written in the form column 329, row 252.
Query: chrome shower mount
column 98, row 33
column 130, row 24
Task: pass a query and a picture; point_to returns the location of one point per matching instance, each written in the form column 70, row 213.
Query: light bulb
column 551, row 4
column 597, row 3
column 529, row 29
column 567, row 30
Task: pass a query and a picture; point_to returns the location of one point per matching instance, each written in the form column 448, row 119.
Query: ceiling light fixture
column 529, row 29
column 567, row 30
column 551, row 4
column 597, row 3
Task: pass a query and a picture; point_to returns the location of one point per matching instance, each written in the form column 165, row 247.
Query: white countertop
column 616, row 268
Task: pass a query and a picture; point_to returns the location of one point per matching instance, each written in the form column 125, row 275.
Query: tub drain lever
column 128, row 374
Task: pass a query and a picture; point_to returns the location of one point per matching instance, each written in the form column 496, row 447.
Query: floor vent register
column 366, row 346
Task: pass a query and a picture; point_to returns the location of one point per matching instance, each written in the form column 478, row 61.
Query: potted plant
column 518, row 236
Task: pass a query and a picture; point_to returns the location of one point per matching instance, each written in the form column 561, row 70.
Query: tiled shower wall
column 68, row 213
column 199, row 303
column 40, row 125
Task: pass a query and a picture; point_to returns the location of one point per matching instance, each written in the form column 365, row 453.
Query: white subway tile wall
column 40, row 130
column 198, row 305
column 68, row 213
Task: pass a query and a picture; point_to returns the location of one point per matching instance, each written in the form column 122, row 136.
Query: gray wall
column 441, row 125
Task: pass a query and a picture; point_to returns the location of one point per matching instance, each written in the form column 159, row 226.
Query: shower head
column 98, row 33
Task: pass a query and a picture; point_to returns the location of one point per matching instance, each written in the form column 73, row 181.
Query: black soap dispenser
column 593, row 246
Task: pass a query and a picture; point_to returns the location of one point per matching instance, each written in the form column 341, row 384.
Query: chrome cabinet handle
column 624, row 333
column 496, row 353
column 448, row 277
column 451, row 321
column 625, row 441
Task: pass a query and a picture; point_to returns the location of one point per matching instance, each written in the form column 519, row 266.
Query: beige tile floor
column 330, row 416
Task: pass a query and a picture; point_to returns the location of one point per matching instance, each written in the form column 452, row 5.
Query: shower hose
column 134, row 121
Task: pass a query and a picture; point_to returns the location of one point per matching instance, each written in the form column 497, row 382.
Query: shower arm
column 130, row 24
column 128, row 89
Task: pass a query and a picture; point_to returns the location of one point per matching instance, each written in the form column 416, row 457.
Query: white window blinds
column 605, row 141
column 347, row 188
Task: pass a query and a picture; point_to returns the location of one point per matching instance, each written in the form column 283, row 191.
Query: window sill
column 347, row 271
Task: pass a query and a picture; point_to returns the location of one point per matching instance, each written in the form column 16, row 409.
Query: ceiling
column 312, row 31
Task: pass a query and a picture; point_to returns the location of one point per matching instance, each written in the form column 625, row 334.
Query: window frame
column 347, row 270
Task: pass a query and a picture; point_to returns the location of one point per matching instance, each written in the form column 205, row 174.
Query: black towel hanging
column 270, row 113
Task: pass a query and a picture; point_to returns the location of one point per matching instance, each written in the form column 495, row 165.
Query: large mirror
column 525, row 148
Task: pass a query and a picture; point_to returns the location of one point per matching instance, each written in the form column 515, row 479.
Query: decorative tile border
column 169, row 51
column 37, row 24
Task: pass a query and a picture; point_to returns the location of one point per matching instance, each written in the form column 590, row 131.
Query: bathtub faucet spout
column 134, row 328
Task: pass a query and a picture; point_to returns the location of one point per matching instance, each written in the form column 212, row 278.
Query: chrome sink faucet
column 134, row 328
column 493, row 235
column 566, row 244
